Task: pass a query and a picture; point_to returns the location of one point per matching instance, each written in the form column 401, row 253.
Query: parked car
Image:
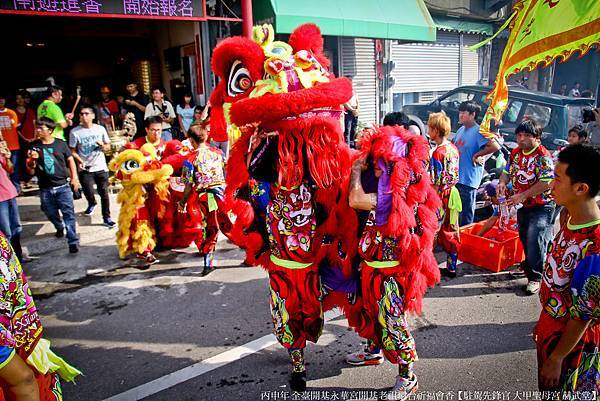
column 555, row 113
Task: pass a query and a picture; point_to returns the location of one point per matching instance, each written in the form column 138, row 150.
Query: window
column 512, row 113
column 540, row 114
column 575, row 115
column 455, row 99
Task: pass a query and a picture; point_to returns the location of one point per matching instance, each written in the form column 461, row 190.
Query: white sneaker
column 364, row 357
column 532, row 287
column 403, row 388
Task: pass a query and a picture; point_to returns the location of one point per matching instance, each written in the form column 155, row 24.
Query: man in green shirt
column 50, row 109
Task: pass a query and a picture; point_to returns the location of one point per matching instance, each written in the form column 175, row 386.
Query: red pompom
column 308, row 37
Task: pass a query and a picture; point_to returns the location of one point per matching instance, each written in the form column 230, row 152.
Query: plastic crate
column 496, row 251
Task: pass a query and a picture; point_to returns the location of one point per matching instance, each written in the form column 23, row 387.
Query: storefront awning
column 457, row 25
column 382, row 19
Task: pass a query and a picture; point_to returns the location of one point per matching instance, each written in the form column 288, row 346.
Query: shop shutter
column 426, row 67
column 470, row 61
column 358, row 61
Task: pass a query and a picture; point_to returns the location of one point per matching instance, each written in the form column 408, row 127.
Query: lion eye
column 130, row 165
column 239, row 79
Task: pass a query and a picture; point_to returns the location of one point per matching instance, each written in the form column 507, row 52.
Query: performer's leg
column 296, row 313
column 383, row 296
column 211, row 230
column 451, row 262
column 448, row 239
column 210, row 236
column 298, row 377
column 399, row 345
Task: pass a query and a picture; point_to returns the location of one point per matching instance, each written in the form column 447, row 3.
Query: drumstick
column 78, row 90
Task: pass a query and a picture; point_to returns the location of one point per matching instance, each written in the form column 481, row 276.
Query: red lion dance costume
column 288, row 177
column 289, row 193
column 396, row 245
column 173, row 229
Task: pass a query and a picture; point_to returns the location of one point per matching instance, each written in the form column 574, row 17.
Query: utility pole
column 387, row 80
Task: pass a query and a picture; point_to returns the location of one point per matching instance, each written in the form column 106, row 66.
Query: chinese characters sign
column 160, row 9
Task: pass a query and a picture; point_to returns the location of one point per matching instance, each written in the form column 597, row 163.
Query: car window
column 541, row 114
column 455, row 99
column 575, row 115
column 512, row 113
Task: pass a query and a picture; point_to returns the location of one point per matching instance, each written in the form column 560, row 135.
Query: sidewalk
column 54, row 269
column 52, row 263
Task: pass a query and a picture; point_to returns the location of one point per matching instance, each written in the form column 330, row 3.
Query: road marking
column 205, row 366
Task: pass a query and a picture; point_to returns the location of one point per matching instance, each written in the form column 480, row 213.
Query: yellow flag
column 541, row 32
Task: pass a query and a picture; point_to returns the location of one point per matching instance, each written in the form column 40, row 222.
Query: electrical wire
column 230, row 10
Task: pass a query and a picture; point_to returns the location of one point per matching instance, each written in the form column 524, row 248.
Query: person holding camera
column 88, row 142
column 591, row 120
column 163, row 109
column 51, row 161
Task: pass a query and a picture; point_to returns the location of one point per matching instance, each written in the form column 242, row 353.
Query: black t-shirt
column 139, row 114
column 52, row 167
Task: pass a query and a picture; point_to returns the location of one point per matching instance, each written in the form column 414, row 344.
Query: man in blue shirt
column 472, row 146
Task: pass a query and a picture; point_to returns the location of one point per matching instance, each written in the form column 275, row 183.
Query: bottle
column 504, row 214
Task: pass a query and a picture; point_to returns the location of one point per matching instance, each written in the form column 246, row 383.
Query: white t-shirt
column 84, row 140
column 153, row 109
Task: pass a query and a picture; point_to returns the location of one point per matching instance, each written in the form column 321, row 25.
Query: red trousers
column 295, row 305
column 383, row 302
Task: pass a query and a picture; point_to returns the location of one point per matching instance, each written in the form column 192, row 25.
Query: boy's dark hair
column 581, row 133
column 529, row 127
column 470, row 107
column 46, row 122
column 87, row 106
column 51, row 89
column 157, row 88
column 152, row 120
column 396, row 118
column 582, row 161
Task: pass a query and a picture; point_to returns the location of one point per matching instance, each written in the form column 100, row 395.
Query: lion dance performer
column 204, row 183
column 24, row 354
column 444, row 174
column 140, row 173
column 288, row 173
column 396, row 246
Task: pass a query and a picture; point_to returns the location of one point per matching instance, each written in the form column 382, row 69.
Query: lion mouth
column 322, row 100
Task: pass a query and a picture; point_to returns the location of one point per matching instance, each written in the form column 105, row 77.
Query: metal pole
column 247, row 18
column 460, row 58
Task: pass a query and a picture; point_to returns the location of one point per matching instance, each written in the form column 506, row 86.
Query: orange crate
column 496, row 251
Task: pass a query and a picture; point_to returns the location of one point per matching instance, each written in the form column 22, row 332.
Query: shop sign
column 153, row 9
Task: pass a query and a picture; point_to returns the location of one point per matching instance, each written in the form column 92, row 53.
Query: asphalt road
column 151, row 330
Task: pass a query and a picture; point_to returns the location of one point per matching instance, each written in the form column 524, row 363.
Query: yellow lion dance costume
column 145, row 190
